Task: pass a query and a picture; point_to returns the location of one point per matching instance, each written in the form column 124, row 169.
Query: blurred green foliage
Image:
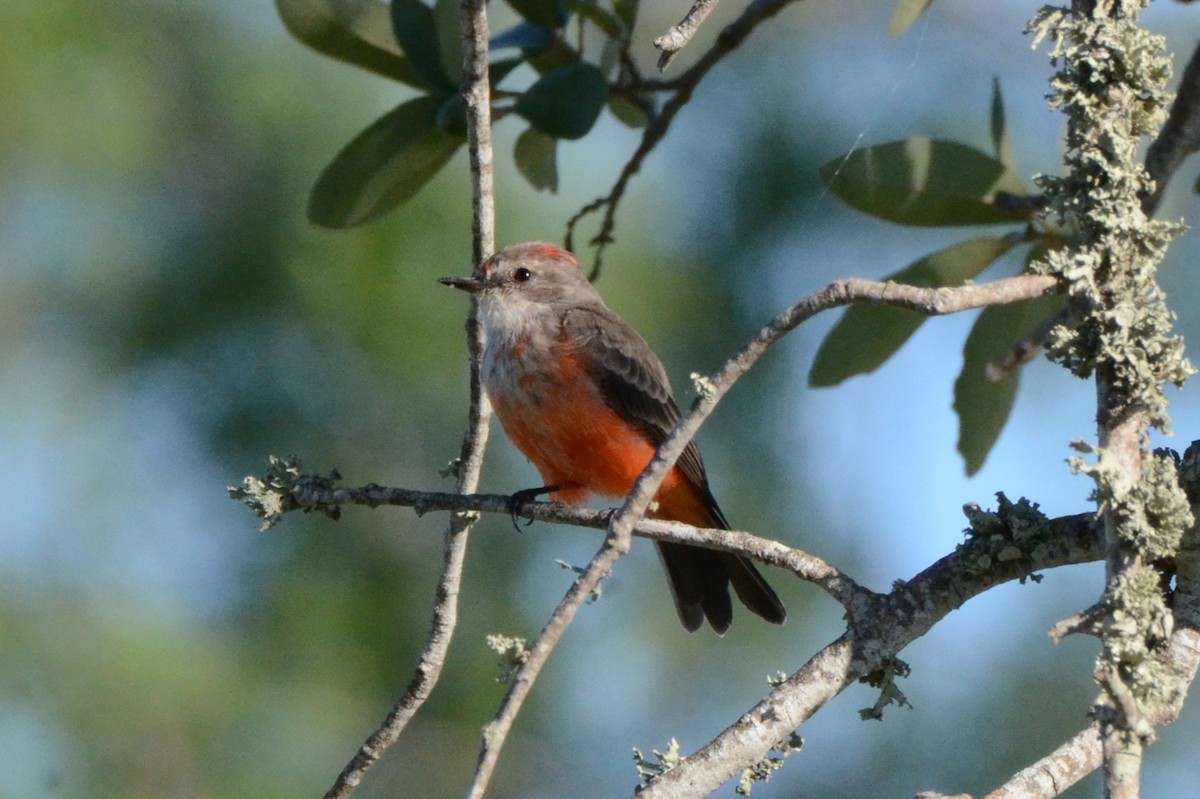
column 162, row 247
column 396, row 156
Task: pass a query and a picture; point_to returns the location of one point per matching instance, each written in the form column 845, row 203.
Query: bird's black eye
column 522, row 274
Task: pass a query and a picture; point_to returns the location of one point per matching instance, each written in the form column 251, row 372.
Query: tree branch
column 474, row 29
column 316, row 493
column 678, row 36
column 904, row 615
column 1083, row 753
column 1179, row 137
column 496, row 732
column 1119, row 333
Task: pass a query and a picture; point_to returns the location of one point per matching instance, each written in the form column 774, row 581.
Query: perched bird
column 583, row 396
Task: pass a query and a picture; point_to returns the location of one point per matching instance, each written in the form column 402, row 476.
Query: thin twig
column 312, row 495
column 473, row 24
column 1083, row 753
column 476, row 94
column 678, row 36
column 933, row 302
column 1024, row 351
column 1179, row 137
column 1084, row 621
column 730, row 38
column 496, row 732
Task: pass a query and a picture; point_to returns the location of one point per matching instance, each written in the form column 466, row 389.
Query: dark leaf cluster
column 418, row 45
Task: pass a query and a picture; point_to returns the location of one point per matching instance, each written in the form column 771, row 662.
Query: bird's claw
column 519, row 498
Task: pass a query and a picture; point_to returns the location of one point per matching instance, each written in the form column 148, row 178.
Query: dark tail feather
column 700, row 581
column 686, row 578
column 752, row 588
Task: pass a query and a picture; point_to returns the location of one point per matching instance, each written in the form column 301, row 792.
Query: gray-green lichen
column 270, row 496
column 663, row 762
column 1164, row 514
column 1134, row 625
column 1111, row 85
column 884, row 678
column 513, row 652
column 1014, row 532
column 762, row 770
column 1153, row 514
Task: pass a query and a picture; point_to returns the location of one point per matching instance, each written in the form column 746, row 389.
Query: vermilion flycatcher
column 583, row 396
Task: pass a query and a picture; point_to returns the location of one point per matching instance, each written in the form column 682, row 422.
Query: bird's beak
column 471, row 284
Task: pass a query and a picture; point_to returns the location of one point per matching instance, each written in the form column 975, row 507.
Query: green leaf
column 867, row 335
column 452, row 116
column 602, row 18
column 536, row 155
column 449, row 38
column 415, row 29
column 566, row 101
column 539, row 12
column 384, row 166
column 498, row 70
column 1001, row 141
column 983, row 406
column 905, row 14
column 523, row 35
column 628, row 112
column 626, row 11
column 926, row 183
column 355, row 31
column 554, row 54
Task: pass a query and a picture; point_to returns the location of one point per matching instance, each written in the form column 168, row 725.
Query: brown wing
column 635, row 385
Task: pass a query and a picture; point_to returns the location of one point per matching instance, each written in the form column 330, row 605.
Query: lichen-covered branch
column 678, row 36
column 1005, row 546
column 1110, row 84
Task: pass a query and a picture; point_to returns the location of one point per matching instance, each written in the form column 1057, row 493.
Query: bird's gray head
column 534, row 273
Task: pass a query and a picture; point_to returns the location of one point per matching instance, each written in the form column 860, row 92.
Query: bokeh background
column 169, row 319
